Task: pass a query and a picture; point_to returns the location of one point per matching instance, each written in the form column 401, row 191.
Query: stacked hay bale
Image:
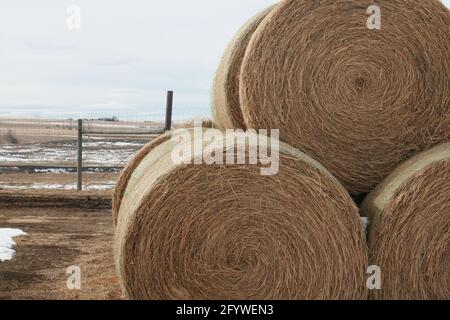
column 357, row 102
column 189, row 231
column 226, row 108
column 127, row 172
column 410, row 231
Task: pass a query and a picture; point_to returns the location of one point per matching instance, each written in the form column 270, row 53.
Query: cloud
column 49, row 46
column 124, row 58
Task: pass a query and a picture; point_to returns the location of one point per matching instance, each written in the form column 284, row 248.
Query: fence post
column 80, row 155
column 169, row 106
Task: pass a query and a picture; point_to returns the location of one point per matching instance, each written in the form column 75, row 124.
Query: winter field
column 41, row 154
column 52, row 165
column 46, row 226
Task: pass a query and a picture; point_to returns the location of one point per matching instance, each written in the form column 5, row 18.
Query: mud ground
column 60, row 235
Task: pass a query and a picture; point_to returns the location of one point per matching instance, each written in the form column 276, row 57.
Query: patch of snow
column 365, row 223
column 7, row 242
column 57, row 154
column 113, row 144
column 95, row 186
column 51, row 170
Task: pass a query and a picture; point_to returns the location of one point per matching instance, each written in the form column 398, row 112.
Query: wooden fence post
column 80, row 156
column 169, row 106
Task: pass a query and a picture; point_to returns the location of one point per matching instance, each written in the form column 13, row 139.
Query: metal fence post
column 80, row 155
column 169, row 106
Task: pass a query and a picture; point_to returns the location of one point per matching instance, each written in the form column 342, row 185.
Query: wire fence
column 44, row 153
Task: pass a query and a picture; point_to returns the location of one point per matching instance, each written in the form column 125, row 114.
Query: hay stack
column 226, row 108
column 410, row 229
column 227, row 232
column 127, row 172
column 359, row 101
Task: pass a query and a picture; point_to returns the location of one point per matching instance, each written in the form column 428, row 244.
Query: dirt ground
column 64, row 228
column 21, row 178
column 59, row 235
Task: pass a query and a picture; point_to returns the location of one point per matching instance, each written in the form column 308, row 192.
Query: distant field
column 96, row 152
column 52, row 164
column 42, row 153
column 24, row 131
column 64, row 227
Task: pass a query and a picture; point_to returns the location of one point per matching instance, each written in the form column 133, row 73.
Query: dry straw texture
column 227, row 232
column 127, row 172
column 226, row 108
column 410, row 230
column 359, row 101
column 125, row 176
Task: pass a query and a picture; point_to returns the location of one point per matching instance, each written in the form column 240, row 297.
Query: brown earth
column 60, row 234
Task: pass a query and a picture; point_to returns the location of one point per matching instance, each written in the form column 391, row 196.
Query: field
column 64, row 227
column 23, row 131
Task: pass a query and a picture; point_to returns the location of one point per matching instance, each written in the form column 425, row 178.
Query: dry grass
column 226, row 107
column 359, row 101
column 227, row 232
column 58, row 238
column 410, row 230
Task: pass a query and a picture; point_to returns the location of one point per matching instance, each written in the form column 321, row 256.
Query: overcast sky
column 124, row 58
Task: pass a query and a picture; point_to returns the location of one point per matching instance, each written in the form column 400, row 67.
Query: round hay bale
column 226, row 232
column 226, row 108
column 126, row 173
column 409, row 235
column 359, row 101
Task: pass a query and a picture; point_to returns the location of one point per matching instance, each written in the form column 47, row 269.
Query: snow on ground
column 97, row 152
column 68, row 170
column 112, row 144
column 365, row 223
column 95, row 186
column 52, row 170
column 7, row 242
column 54, row 155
